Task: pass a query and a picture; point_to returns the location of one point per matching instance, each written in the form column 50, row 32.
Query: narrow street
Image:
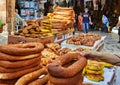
column 110, row 43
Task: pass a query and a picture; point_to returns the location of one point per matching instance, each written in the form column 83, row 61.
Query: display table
column 96, row 46
column 118, row 77
column 108, row 75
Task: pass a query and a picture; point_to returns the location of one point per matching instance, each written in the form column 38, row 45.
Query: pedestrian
column 118, row 26
column 92, row 24
column 103, row 56
column 47, row 6
column 86, row 20
column 75, row 23
column 105, row 22
column 80, row 22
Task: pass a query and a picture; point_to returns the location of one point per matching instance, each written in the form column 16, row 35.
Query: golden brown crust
column 17, row 64
column 8, row 81
column 84, row 39
column 4, row 56
column 24, row 80
column 22, row 49
column 63, row 51
column 40, row 81
column 18, row 73
column 56, row 68
column 53, row 46
column 78, row 78
column 7, row 70
column 95, row 77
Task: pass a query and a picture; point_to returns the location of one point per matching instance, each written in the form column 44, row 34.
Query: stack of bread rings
column 38, row 77
column 67, row 69
column 17, row 60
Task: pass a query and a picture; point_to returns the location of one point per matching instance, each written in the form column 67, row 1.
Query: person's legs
column 102, row 28
column 106, row 28
column 75, row 27
column 119, row 34
column 84, row 28
column 87, row 27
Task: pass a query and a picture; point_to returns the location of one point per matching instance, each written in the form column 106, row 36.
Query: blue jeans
column 85, row 27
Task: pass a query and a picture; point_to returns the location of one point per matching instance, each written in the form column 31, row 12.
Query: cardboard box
column 59, row 37
column 14, row 39
column 68, row 35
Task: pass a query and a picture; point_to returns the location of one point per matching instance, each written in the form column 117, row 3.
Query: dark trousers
column 119, row 33
column 104, row 27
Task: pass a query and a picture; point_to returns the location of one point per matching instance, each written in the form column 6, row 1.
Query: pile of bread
column 20, row 64
column 62, row 18
column 36, row 30
column 17, row 60
column 84, row 39
column 94, row 70
column 51, row 52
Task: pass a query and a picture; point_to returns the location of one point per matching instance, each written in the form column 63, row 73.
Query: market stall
column 35, row 55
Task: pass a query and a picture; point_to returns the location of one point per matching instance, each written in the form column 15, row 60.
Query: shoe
column 118, row 41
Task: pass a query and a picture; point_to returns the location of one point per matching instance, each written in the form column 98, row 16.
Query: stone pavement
column 110, row 43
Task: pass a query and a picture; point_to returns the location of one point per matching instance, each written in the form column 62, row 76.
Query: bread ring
column 17, row 64
column 56, row 68
column 18, row 73
column 95, row 77
column 22, row 49
column 40, row 81
column 8, row 82
column 7, row 70
column 24, row 80
column 67, row 81
column 10, row 57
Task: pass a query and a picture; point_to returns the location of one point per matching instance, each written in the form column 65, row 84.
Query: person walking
column 80, row 22
column 105, row 22
column 118, row 26
column 86, row 20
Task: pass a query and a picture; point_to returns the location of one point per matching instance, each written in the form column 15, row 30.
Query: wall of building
column 3, row 10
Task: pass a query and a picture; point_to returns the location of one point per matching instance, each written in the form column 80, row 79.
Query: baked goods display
column 84, row 39
column 63, row 72
column 63, row 51
column 62, row 18
column 49, row 53
column 35, row 31
column 22, row 49
column 95, row 69
column 17, row 60
column 82, row 49
column 53, row 46
column 36, row 64
column 48, row 56
column 54, row 51
column 52, row 24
